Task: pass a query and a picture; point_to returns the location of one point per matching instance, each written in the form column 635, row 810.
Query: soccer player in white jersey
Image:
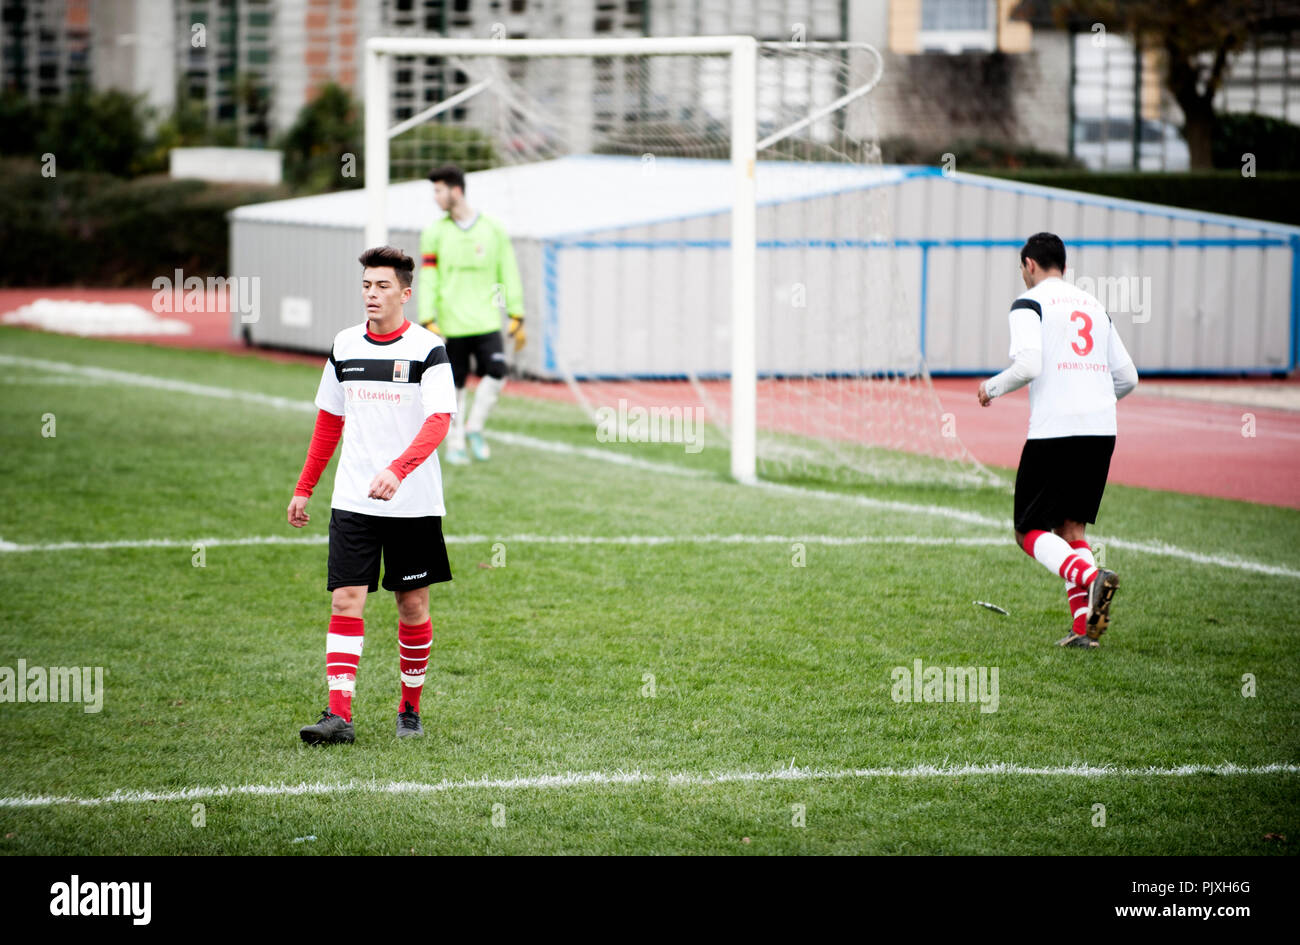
column 389, row 382
column 1067, row 350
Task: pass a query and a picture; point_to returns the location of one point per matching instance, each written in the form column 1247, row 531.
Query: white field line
column 14, row 548
column 131, row 379
column 601, row 778
column 143, row 380
column 1173, row 551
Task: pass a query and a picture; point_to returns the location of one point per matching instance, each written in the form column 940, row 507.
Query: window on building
column 956, row 26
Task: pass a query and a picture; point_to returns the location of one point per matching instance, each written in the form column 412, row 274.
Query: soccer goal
column 704, row 229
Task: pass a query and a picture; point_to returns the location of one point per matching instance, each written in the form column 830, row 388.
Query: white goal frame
column 743, row 53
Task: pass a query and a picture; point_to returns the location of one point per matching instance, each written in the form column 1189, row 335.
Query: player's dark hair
column 1046, row 249
column 381, row 256
column 449, row 174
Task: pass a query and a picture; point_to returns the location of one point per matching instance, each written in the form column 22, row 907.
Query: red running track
column 1164, row 442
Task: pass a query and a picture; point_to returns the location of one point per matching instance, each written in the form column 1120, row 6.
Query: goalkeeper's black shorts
column 1059, row 478
column 489, row 356
column 413, row 551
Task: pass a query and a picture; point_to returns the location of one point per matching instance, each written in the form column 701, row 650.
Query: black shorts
column 414, row 552
column 1061, row 478
column 489, row 356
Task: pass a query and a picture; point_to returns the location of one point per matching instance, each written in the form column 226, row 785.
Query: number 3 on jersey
column 1085, row 333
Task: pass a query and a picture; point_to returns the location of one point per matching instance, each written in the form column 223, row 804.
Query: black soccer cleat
column 330, row 730
column 1078, row 640
column 408, row 722
column 1099, row 597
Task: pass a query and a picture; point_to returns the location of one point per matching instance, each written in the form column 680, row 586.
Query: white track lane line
column 601, row 778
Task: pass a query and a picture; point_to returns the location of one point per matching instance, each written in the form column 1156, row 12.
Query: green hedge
column 85, row 228
column 1270, row 196
column 1274, row 143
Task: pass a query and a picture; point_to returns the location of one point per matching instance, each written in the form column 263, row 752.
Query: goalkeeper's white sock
column 456, row 433
column 1054, row 553
column 486, row 398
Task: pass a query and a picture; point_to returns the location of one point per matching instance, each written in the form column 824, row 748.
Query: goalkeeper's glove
column 432, row 325
column 516, row 331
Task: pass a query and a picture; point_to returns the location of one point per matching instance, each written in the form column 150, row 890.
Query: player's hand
column 985, row 399
column 516, row 331
column 432, row 325
column 384, row 485
column 298, row 516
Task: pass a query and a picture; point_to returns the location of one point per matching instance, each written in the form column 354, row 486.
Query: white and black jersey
column 1074, row 394
column 384, row 389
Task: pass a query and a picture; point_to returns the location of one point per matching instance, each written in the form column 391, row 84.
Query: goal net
column 706, row 240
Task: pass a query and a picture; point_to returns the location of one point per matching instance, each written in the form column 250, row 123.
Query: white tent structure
column 624, row 264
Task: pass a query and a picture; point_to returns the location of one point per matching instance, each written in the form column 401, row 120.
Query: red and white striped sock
column 342, row 657
column 414, row 643
column 1076, row 595
column 1054, row 553
column 1077, row 598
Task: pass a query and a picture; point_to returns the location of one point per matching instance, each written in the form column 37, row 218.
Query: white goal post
column 742, row 51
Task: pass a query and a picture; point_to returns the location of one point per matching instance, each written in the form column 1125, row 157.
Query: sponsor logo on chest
column 363, row 392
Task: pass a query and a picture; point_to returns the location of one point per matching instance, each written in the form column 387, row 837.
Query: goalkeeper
column 467, row 276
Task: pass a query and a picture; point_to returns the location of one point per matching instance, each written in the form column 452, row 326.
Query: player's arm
column 1026, row 352
column 324, row 439
column 427, row 288
column 1123, row 372
column 384, row 485
column 508, row 277
column 438, row 399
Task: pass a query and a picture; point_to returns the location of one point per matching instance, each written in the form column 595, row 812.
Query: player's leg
column 353, row 571
column 414, row 641
column 415, row 556
column 1076, row 597
column 490, row 363
column 1042, row 482
column 458, row 352
column 1091, row 469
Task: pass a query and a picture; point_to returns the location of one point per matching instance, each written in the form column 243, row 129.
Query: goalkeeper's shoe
column 1079, row 640
column 457, row 457
column 1100, row 593
column 330, row 730
column 408, row 722
column 478, row 446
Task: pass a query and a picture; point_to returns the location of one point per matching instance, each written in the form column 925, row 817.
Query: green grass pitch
column 765, row 686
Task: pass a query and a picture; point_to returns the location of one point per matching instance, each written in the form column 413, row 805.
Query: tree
column 96, row 131
column 1197, row 37
column 327, row 131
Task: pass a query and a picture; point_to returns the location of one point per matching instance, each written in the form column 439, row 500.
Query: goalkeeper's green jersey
column 466, row 275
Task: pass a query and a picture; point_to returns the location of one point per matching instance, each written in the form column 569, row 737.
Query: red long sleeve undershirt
column 422, row 447
column 329, row 428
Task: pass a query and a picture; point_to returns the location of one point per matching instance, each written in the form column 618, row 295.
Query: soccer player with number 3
column 389, row 382
column 1066, row 349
